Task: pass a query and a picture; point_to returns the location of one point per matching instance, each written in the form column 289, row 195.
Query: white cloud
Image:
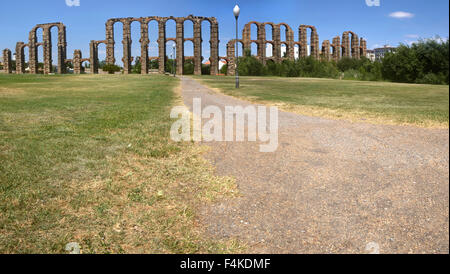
column 401, row 15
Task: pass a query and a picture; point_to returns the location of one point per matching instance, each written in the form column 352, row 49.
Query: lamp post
column 173, row 60
column 236, row 12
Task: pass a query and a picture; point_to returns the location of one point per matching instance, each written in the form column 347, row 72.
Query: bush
column 224, row 70
column 111, row 68
column 206, row 69
column 425, row 61
column 188, row 67
column 250, row 66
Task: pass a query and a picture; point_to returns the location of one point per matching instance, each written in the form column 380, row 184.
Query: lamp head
column 236, row 11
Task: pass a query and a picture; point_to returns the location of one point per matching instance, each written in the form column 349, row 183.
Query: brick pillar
column 47, row 50
column 62, row 49
column 326, row 50
column 262, row 43
column 162, row 46
column 126, row 42
column 276, row 51
column 345, row 45
column 7, row 62
column 355, row 46
column 214, row 50
column 110, row 59
column 336, row 48
column 180, row 46
column 33, row 52
column 77, row 56
column 303, row 36
column 247, row 38
column 291, row 44
column 315, row 44
column 144, row 47
column 363, row 48
column 93, row 49
column 198, row 47
column 231, row 55
column 20, row 58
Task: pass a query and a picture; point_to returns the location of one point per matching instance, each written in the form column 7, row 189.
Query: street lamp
column 173, row 60
column 236, row 12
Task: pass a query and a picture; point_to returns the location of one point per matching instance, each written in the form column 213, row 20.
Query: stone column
column 47, row 41
column 290, row 43
column 62, row 49
column 33, row 52
column 345, row 45
column 262, row 43
column 20, row 58
column 363, row 48
column 198, row 47
column 180, row 46
column 126, row 46
column 162, row 46
column 276, row 51
column 7, row 62
column 315, row 44
column 110, row 42
column 144, row 47
column 231, row 55
column 326, row 50
column 355, row 46
column 93, row 60
column 336, row 48
column 247, row 38
column 77, row 56
column 303, row 36
column 214, row 47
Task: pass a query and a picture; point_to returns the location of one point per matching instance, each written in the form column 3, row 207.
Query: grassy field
column 88, row 159
column 376, row 102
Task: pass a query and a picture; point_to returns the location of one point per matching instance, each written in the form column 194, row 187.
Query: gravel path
column 332, row 186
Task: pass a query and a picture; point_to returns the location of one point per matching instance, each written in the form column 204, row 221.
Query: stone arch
column 162, row 23
column 336, row 49
column 20, row 57
column 314, row 42
column 350, row 47
column 231, row 55
column 171, row 57
column 47, row 47
column 272, row 51
column 288, row 41
column 325, row 55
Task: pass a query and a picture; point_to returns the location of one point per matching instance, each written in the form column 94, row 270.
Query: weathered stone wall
column 262, row 41
column 162, row 40
column 7, row 62
column 349, row 48
column 326, row 50
column 76, row 61
column 354, row 47
column 20, row 57
column 47, row 48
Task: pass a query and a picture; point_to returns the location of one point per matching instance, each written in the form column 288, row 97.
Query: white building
column 381, row 52
column 371, row 55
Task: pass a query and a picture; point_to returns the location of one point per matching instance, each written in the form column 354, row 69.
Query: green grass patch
column 88, row 159
column 378, row 102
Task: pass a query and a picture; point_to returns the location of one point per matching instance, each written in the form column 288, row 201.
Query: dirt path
column 333, row 186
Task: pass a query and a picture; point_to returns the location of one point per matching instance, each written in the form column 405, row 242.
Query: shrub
column 111, row 68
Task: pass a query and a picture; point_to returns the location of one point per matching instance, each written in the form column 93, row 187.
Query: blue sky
column 393, row 22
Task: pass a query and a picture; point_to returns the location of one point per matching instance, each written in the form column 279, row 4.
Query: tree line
column 424, row 62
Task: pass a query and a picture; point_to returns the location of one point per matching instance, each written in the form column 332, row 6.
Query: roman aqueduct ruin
column 281, row 49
